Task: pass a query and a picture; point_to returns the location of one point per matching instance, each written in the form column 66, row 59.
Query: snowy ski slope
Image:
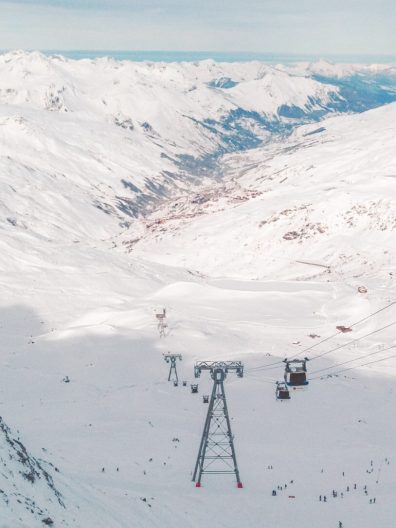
column 101, row 226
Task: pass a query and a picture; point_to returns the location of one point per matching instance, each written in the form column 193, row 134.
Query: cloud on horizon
column 299, row 26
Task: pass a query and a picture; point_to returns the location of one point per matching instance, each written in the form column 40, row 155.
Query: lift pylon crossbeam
column 216, row 449
column 226, row 366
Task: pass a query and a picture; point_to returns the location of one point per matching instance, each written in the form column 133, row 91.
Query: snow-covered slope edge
column 34, row 492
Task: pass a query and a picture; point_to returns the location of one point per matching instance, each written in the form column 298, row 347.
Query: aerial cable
column 350, row 326
column 263, row 380
column 353, row 341
column 263, row 367
column 354, row 368
column 352, row 360
column 340, row 346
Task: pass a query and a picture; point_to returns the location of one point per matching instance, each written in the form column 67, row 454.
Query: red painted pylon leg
column 197, row 484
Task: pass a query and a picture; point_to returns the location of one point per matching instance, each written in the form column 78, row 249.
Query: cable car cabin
column 205, row 398
column 282, row 392
column 296, row 372
column 194, row 388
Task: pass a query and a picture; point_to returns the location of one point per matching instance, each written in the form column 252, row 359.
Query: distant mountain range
column 218, row 56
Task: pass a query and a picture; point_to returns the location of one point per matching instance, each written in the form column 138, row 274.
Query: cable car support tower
column 171, row 358
column 216, row 453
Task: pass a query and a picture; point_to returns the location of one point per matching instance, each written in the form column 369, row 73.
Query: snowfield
column 119, row 198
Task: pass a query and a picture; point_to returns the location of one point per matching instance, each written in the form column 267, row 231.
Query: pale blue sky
column 279, row 26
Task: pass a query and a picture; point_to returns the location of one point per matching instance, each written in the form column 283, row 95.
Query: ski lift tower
column 216, row 453
column 171, row 359
column 161, row 322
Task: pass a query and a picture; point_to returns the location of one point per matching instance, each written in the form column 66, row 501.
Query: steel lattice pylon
column 216, row 451
column 171, row 358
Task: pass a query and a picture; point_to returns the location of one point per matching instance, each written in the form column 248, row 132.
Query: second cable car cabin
column 296, row 372
column 282, row 392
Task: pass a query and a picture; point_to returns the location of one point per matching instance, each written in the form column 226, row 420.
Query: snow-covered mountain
column 102, row 137
column 320, row 203
column 129, row 187
column 118, row 135
column 197, row 107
